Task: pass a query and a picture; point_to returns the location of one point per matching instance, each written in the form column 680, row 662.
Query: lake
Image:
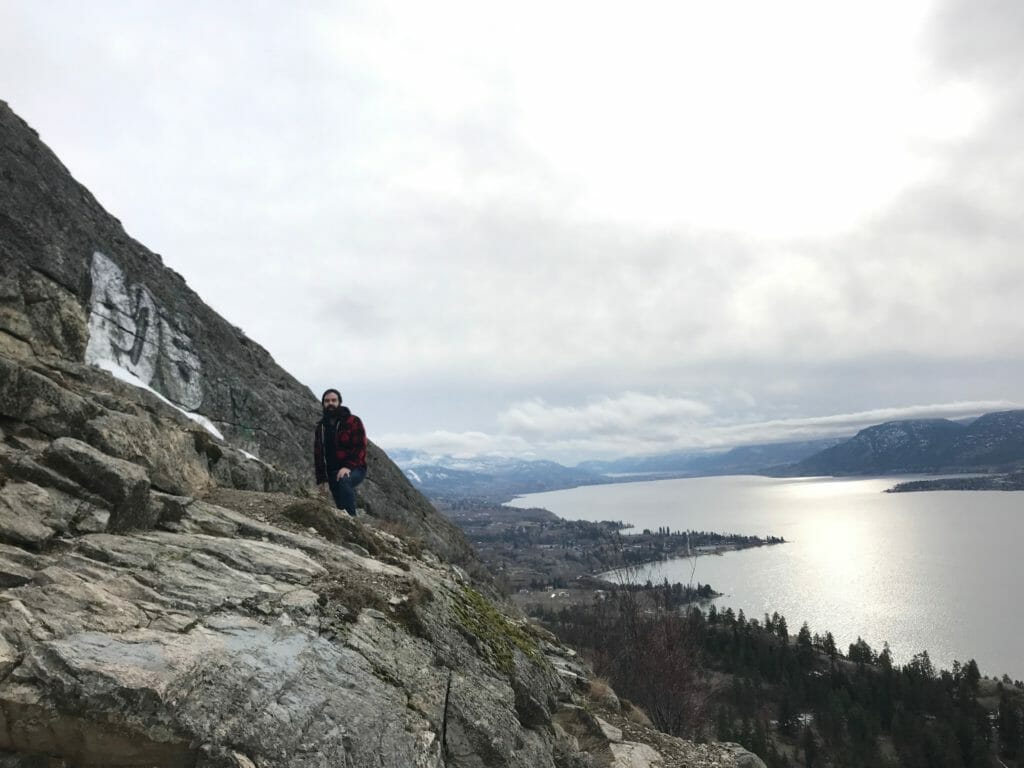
column 940, row 570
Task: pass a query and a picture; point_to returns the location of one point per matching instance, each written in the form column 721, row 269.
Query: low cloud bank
column 634, row 424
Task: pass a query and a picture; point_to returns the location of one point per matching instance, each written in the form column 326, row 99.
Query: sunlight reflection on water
column 935, row 571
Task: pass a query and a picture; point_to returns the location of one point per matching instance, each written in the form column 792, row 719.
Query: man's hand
column 323, row 489
column 343, row 472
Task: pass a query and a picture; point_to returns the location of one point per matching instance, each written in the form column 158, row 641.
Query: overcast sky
column 569, row 230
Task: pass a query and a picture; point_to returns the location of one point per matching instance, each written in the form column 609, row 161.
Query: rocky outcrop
column 251, row 628
column 171, row 593
column 75, row 288
column 143, row 626
column 216, row 639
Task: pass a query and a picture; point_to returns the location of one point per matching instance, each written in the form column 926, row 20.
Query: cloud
column 629, row 413
column 635, row 424
column 978, row 38
column 436, row 206
column 457, row 444
column 812, row 428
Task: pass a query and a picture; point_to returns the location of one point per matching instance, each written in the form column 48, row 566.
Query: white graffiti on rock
column 128, row 326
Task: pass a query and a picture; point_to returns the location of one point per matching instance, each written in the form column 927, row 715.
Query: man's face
column 331, row 401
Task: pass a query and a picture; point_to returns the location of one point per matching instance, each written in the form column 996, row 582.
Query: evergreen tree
column 933, row 719
column 810, row 747
column 921, row 664
column 787, row 714
column 981, row 755
column 861, row 652
column 972, row 676
column 829, row 646
column 805, row 647
column 723, row 725
column 759, row 745
column 885, row 657
column 1011, row 727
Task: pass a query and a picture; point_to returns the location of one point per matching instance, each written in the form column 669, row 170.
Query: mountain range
column 992, row 443
column 500, row 477
column 746, row 459
column 489, row 477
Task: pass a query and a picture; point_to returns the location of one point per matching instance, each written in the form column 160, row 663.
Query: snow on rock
column 123, row 374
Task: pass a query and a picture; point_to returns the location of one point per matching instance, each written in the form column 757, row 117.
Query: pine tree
column 829, row 646
column 805, row 646
column 759, row 746
column 787, row 714
column 810, row 747
column 972, row 676
column 1011, row 727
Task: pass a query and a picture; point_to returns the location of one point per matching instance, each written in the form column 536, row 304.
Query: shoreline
column 1009, row 481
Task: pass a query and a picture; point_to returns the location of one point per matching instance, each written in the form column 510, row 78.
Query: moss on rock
column 495, row 634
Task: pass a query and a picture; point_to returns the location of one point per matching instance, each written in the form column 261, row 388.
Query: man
column 339, row 452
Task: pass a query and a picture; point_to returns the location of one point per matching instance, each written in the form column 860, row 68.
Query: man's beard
column 330, row 411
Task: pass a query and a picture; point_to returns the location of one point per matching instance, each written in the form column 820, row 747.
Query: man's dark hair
column 327, row 392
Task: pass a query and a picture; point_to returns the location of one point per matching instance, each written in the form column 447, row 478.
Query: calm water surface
column 940, row 570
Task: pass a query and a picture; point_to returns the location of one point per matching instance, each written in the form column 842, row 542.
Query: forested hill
column 993, row 442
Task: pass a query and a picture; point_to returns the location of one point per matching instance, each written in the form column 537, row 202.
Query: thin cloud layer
column 632, row 412
column 531, row 430
column 458, row 444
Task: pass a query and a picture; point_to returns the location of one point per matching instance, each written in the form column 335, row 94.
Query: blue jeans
column 344, row 490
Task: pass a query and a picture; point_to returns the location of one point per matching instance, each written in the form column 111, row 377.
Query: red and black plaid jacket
column 350, row 441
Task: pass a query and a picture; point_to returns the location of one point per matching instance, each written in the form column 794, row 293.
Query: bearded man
column 339, row 452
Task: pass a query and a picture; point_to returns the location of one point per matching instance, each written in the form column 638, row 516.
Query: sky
column 569, row 230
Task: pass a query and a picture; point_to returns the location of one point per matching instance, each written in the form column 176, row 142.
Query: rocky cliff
column 171, row 594
column 74, row 288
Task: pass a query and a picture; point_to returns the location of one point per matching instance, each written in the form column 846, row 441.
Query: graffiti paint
column 128, row 326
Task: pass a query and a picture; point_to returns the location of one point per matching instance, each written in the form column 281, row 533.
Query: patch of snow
column 409, row 460
column 202, row 421
column 253, row 457
column 123, row 374
column 413, row 476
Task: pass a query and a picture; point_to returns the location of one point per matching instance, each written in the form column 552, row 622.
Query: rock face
column 216, row 639
column 75, row 288
column 168, row 600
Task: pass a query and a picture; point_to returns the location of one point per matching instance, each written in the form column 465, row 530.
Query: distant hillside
column 495, row 477
column 746, row 459
column 993, row 441
column 500, row 477
column 756, row 459
column 664, row 463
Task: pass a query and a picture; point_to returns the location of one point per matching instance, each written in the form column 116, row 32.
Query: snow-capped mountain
column 490, row 476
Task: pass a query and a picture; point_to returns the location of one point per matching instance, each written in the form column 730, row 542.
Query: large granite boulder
column 25, row 510
column 219, row 638
column 123, row 485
